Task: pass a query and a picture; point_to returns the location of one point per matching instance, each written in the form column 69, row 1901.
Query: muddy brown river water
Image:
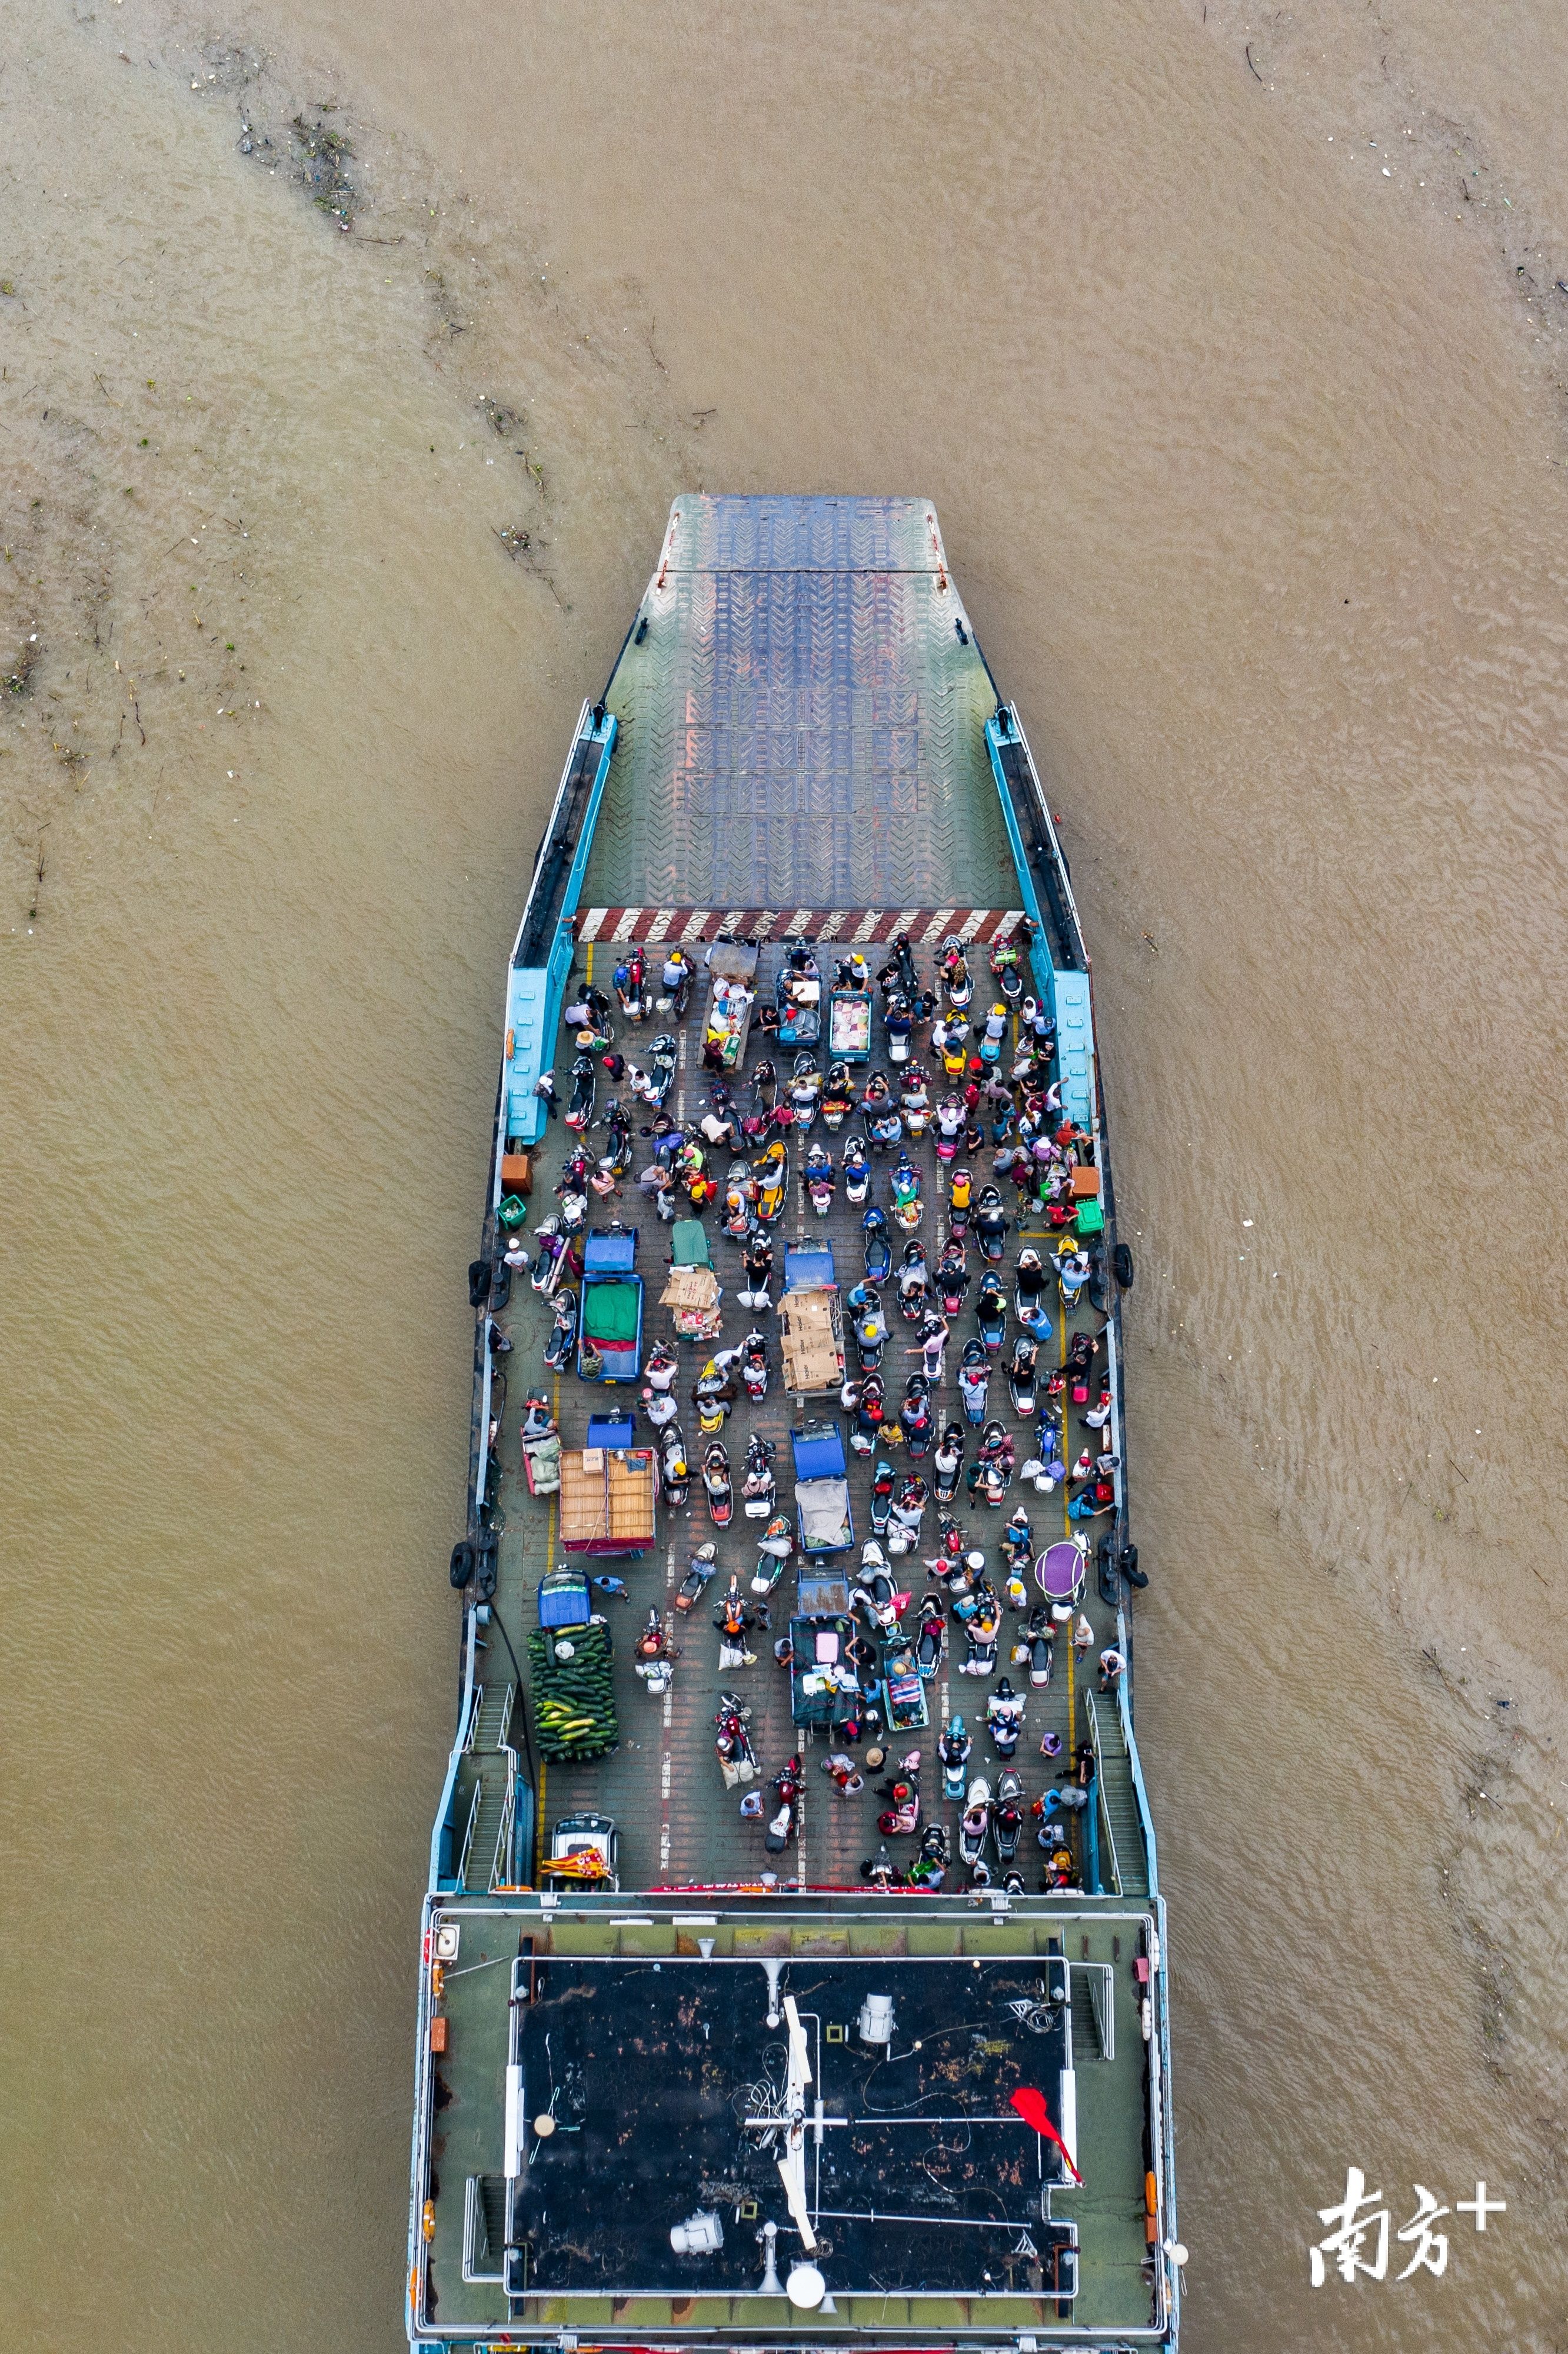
column 1231, row 349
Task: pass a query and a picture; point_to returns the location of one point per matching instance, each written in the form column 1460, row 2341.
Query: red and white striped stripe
column 864, row 926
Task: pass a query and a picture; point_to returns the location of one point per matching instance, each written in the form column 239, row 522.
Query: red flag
column 1030, row 2107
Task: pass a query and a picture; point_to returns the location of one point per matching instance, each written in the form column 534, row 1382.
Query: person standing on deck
column 1111, row 1666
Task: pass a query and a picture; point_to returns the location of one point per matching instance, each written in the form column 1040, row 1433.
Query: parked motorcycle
column 838, row 1095
column 915, row 1415
column 1030, row 1296
column 674, row 1472
column 1007, row 1814
column 772, row 1181
column 579, row 1111
column 700, row 1568
column 758, row 1486
column 974, row 1827
column 909, row 1209
column 868, row 1324
column 930, row 1636
column 991, row 1223
column 990, row 1313
column 907, row 1512
column 717, row 1484
column 783, row 1824
column 630, row 984
column 954, row 1750
column 732, row 1742
column 563, row 1333
column 654, row 1657
column 881, row 1499
column 805, row 1090
column 774, row 1547
column 1004, row 1718
column 947, row 1463
column 1040, row 1640
column 902, row 1791
column 974, row 1379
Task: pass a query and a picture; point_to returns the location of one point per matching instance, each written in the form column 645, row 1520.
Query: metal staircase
column 1124, row 1866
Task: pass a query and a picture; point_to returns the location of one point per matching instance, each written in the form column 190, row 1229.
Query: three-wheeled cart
column 610, row 1328
column 849, row 1025
column 731, row 971
column 607, row 1491
column 693, row 1292
column 811, row 1321
column 822, row 1512
column 799, row 997
column 825, row 1689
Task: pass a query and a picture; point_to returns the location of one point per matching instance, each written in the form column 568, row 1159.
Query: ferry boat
column 733, row 2027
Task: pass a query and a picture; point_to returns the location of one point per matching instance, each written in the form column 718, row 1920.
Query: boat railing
column 1145, row 1812
column 474, row 1804
column 472, row 2216
column 1107, row 1832
column 468, row 1713
column 501, row 1861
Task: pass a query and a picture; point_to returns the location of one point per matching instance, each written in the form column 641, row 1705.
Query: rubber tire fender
column 462, row 1563
column 1121, row 1265
column 477, row 1282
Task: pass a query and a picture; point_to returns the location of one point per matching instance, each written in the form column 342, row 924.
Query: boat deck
column 678, row 1825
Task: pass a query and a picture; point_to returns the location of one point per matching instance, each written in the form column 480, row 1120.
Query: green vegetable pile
column 574, row 1700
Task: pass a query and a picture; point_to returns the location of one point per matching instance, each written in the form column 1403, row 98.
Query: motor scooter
column 990, row 1313
column 980, row 1630
column 1021, row 1377
column 974, row 1828
column 838, row 1095
column 952, row 1274
column 805, row 1090
column 856, row 1170
column 654, row 1657
column 907, row 1512
column 954, row 1751
column 821, row 1182
column 902, row 1791
column 914, row 1282
column 897, row 1022
column 959, row 1204
column 563, row 1333
column 772, row 1181
column 1028, row 1297
column 774, row 1547
column 717, row 1484
column 991, row 1223
column 700, row 1568
column 974, row 1379
column 1004, row 1718
column 947, row 1463
column 874, row 1594
column 1006, row 971
column 758, row 1486
column 915, row 1415
column 1007, row 1816
column 909, row 1209
column 953, row 966
column 869, row 1326
column 878, row 1250
column 674, row 1472
column 915, row 1102
column 630, row 986
column 754, row 1365
column 1039, row 1640
column 930, row 1636
column 951, row 1121
column 881, row 1499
